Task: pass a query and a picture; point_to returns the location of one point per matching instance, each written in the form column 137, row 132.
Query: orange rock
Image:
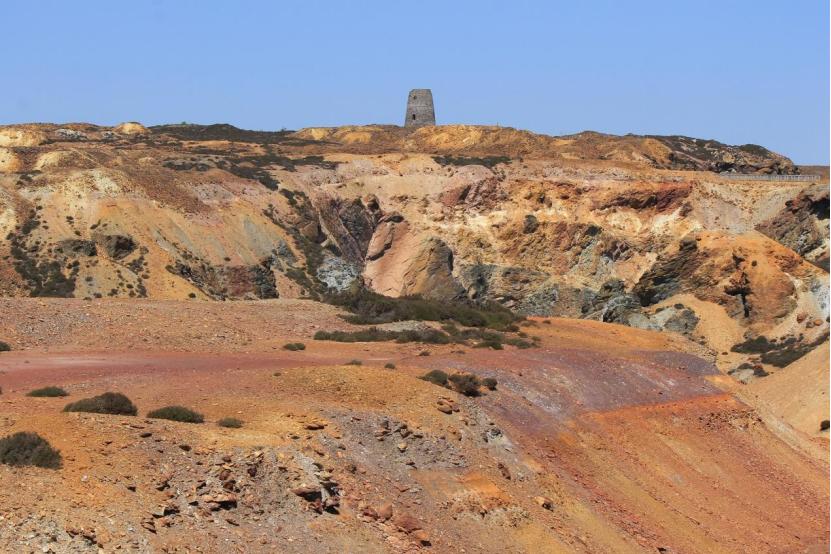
column 385, row 511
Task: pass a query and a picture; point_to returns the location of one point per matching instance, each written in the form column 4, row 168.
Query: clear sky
column 738, row 71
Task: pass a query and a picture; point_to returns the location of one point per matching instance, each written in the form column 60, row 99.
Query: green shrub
column 294, row 346
column 354, row 362
column 436, row 376
column 108, row 403
column 429, row 336
column 176, row 413
column 28, row 449
column 450, row 329
column 230, row 422
column 489, row 343
column 489, row 383
column 465, row 383
column 4, row 346
column 389, row 365
column 50, row 392
column 479, row 335
column 519, row 343
column 373, row 334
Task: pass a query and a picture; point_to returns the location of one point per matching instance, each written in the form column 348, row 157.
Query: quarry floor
column 633, row 443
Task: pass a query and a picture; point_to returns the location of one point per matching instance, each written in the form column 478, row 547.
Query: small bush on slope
column 113, row 403
column 465, row 383
column 28, row 449
column 177, row 413
column 48, row 392
column 230, row 422
column 294, row 346
column 437, row 377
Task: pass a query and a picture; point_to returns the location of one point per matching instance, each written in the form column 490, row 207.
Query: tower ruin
column 420, row 108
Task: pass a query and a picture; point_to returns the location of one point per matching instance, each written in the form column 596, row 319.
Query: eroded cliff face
column 587, row 226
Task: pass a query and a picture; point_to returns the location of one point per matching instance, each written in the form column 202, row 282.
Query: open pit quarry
column 647, row 339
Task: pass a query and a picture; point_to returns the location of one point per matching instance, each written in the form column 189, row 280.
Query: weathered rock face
column 349, row 224
column 400, row 263
column 229, row 282
column 116, row 246
column 711, row 155
column 667, row 277
column 802, row 225
column 582, row 226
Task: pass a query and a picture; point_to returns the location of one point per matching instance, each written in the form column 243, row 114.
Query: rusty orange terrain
column 603, row 439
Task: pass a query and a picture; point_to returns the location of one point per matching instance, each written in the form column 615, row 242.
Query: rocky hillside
column 634, row 230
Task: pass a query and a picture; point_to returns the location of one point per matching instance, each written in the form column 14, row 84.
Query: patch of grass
column 177, row 413
column 48, row 392
column 230, row 422
column 28, row 449
column 4, row 347
column 436, row 376
column 113, row 403
column 354, row 362
column 294, row 346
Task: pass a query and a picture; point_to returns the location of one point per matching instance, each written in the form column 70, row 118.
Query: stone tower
column 420, row 108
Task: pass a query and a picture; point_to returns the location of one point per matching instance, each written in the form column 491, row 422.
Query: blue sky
column 736, row 71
